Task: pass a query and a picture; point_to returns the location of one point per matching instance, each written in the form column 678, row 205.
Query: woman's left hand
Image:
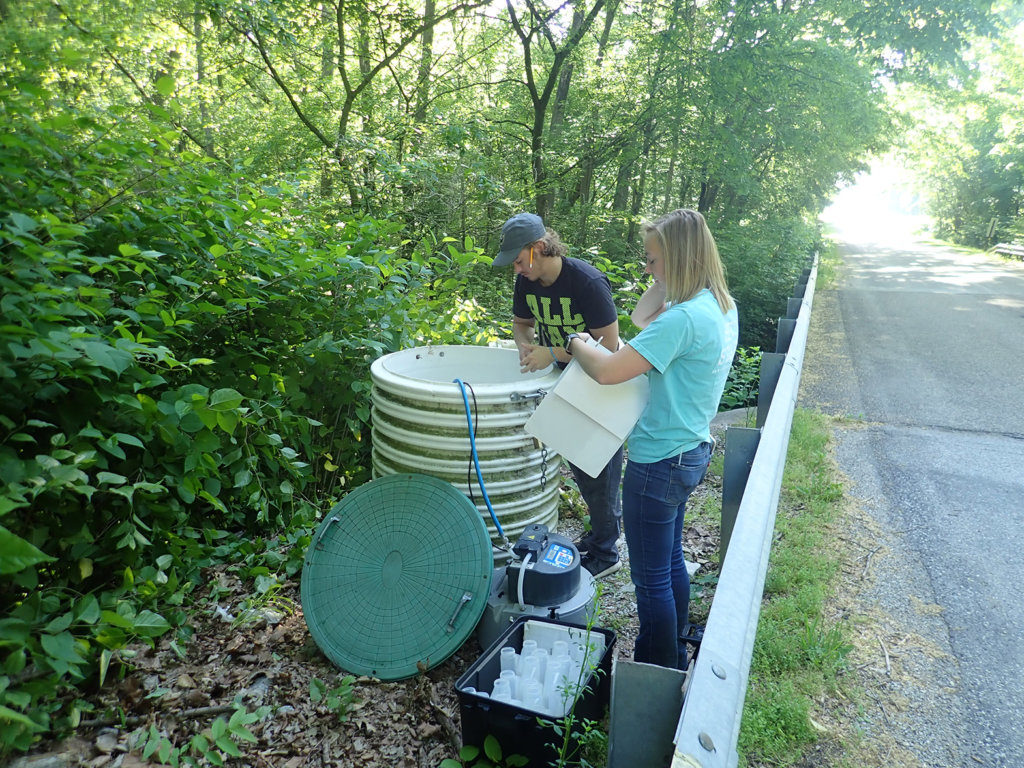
column 582, row 338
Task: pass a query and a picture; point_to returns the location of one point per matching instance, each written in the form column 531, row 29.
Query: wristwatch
column 568, row 342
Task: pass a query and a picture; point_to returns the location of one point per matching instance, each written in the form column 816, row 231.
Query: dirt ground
column 271, row 661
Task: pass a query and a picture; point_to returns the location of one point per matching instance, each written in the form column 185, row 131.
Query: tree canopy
column 969, row 151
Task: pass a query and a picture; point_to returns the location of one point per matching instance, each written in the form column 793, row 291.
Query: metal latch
column 518, row 397
column 466, row 597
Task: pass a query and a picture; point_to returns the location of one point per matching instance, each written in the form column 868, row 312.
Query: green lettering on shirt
column 555, row 327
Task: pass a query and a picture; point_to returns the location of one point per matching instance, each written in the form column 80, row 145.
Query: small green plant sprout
column 267, row 603
column 744, row 379
column 338, row 699
column 578, row 741
column 584, row 744
column 470, row 757
column 824, row 648
column 213, row 746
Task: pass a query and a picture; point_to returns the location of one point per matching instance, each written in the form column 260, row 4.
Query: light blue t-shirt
column 690, row 346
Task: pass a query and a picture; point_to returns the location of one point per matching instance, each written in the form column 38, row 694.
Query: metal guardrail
column 709, row 724
column 1012, row 250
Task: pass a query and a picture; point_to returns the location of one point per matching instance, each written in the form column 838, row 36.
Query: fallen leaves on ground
column 270, row 661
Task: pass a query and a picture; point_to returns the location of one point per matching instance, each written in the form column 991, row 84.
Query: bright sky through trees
column 881, row 206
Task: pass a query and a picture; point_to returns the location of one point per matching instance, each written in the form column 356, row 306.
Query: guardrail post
column 771, row 368
column 645, row 705
column 740, row 447
column 785, row 335
column 793, row 308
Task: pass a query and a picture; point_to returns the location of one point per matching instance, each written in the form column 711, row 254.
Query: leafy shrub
column 763, row 260
column 189, row 351
column 744, row 379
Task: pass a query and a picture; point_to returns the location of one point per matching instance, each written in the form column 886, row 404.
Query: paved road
column 923, row 347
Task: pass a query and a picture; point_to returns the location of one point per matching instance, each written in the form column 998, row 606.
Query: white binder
column 587, row 422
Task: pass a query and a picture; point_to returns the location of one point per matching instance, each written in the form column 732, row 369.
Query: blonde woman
column 685, row 348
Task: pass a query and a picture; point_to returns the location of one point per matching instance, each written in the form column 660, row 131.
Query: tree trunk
column 684, row 191
column 541, row 97
column 204, row 112
column 426, row 60
column 327, row 58
column 671, row 170
column 584, row 189
column 585, row 192
column 640, row 188
column 542, row 194
column 615, row 245
column 562, row 93
column 708, row 193
column 327, row 46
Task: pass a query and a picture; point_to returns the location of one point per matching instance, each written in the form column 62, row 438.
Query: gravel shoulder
column 899, row 700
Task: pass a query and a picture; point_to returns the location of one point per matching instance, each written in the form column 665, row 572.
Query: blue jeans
column 604, row 503
column 653, row 501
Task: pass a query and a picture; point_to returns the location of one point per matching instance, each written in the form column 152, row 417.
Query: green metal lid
column 397, row 575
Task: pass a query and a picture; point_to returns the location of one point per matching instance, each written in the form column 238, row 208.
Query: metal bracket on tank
column 518, row 397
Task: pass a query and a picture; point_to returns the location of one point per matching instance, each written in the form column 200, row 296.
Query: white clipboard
column 587, row 422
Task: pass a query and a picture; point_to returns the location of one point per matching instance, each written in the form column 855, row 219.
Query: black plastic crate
column 517, row 729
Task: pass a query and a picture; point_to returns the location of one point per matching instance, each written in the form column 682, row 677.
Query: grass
column 828, row 266
column 798, row 655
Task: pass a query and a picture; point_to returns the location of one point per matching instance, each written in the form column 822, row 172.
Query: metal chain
column 543, row 467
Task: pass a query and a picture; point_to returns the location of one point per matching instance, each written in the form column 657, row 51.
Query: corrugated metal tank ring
column 419, row 425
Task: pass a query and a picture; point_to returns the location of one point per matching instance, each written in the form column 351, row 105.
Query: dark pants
column 604, row 503
column 654, row 498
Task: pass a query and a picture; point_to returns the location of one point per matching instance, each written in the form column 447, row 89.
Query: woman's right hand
column 650, row 305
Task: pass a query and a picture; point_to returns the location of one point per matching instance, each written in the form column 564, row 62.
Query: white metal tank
column 419, row 425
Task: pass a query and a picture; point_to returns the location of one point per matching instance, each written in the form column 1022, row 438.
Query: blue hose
column 476, row 459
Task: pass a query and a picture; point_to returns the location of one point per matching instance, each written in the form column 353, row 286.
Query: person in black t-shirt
column 556, row 295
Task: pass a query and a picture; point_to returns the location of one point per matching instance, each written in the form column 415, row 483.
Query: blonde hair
column 690, row 256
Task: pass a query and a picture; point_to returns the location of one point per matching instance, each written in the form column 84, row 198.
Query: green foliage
column 490, row 757
column 824, row 648
column 776, row 724
column 796, row 655
column 763, row 260
column 338, row 699
column 213, row 746
column 968, row 155
column 583, row 743
column 191, row 354
column 744, row 379
column 266, row 599
column 702, row 588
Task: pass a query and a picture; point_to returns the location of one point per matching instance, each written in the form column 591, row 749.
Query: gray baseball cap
column 518, row 232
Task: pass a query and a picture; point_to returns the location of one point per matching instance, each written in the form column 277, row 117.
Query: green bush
column 744, row 380
column 188, row 351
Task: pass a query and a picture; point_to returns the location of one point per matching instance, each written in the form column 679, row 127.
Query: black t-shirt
column 579, row 300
